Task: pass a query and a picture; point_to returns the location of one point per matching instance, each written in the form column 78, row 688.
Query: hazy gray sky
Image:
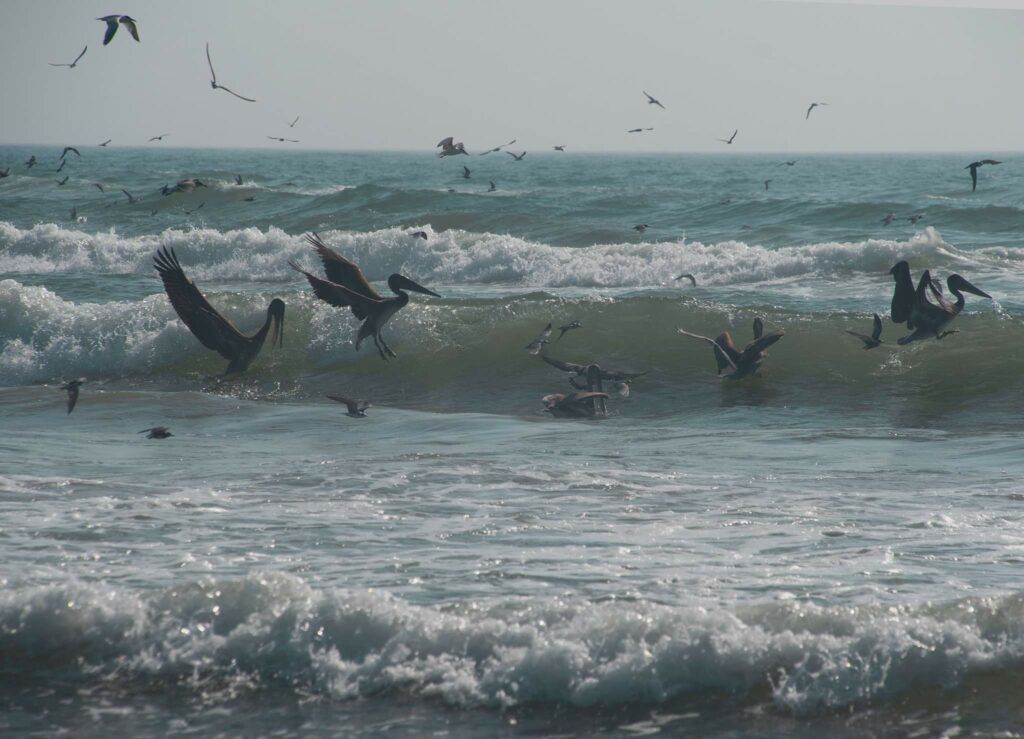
column 402, row 74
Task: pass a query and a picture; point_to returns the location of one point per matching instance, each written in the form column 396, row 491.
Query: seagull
column 106, row 142
column 213, row 82
column 691, row 278
column 889, row 218
column 160, row 137
column 31, row 162
column 283, row 140
column 915, row 218
column 652, row 101
column 517, row 158
column 641, row 227
column 568, row 327
column 638, row 130
column 131, row 198
column 64, row 181
column 72, row 391
column 766, row 184
column 870, row 342
column 98, row 186
column 356, row 408
column 560, row 147
column 790, row 163
column 492, row 188
column 465, row 173
column 125, row 20
column 496, row 148
column 70, row 148
column 812, row 107
column 731, row 138
column 292, row 124
column 157, row 432
column 74, row 63
column 450, row 148
column 973, row 166
column 537, row 344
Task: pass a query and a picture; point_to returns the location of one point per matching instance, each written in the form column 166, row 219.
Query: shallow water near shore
column 835, row 545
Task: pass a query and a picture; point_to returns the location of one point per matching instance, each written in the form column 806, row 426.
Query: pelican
column 213, row 81
column 731, row 138
column 580, row 371
column 911, row 306
column 577, row 405
column 356, row 408
column 744, row 363
column 652, row 101
column 568, row 327
column 187, row 185
column 691, row 278
column 210, row 327
column 72, row 390
column 450, row 148
column 518, row 158
column 112, row 20
column 537, row 344
column 74, row 63
column 973, row 166
column 812, row 107
column 347, row 287
column 157, row 432
column 870, row 342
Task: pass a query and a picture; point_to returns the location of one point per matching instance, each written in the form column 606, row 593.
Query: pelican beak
column 416, row 287
column 277, row 332
column 965, row 285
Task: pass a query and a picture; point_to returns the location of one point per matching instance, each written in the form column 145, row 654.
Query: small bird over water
column 766, row 183
column 160, row 137
column 691, row 278
column 812, row 107
column 213, row 81
column 560, row 147
column 31, row 162
column 157, row 432
column 870, row 342
column 70, row 148
column 74, row 63
column 283, row 140
column 973, row 166
column 538, row 343
column 72, row 390
column 450, row 148
column 106, row 142
column 638, row 130
column 731, row 138
column 518, row 158
column 568, row 327
column 125, row 20
column 465, row 173
column 356, row 408
column 652, row 101
column 496, row 148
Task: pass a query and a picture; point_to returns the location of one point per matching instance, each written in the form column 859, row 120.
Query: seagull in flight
column 292, row 124
column 131, row 198
column 64, row 181
column 638, row 130
column 70, row 148
column 74, row 63
column 356, row 408
column 496, row 148
column 282, row 140
column 160, row 137
column 157, row 432
column 812, row 107
column 112, row 20
column 790, row 163
column 560, row 147
column 651, row 100
column 215, row 86
column 731, row 138
column 889, row 218
column 691, row 278
column 915, row 218
column 106, row 142
column 973, row 166
column 537, row 344
column 465, row 173
column 517, row 158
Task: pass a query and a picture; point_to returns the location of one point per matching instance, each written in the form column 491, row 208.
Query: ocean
column 835, row 545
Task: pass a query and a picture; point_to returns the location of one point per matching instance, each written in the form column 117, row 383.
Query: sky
column 403, row 74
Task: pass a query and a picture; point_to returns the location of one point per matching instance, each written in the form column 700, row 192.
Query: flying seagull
column 812, row 107
column 356, row 408
column 72, row 391
column 106, row 142
column 160, row 137
column 157, row 432
column 31, row 162
column 213, row 82
column 74, row 63
column 283, row 140
column 560, row 147
column 638, row 130
column 517, row 158
column 537, row 344
column 70, row 148
column 889, row 218
column 870, row 342
column 112, row 20
column 973, row 166
column 98, row 186
column 450, row 148
column 915, row 218
column 731, row 138
column 465, row 173
column 496, row 148
column 691, row 278
column 62, row 163
column 652, row 101
column 292, row 124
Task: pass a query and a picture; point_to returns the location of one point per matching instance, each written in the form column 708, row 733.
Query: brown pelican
column 731, row 138
column 568, row 327
column 213, row 82
column 72, row 391
column 870, row 342
column 580, row 371
column 577, row 405
column 518, row 158
column 74, row 63
column 973, row 166
column 450, row 148
column 537, row 344
column 347, row 287
column 652, row 101
column 812, row 107
column 112, row 20
column 356, row 408
column 911, row 306
column 210, row 327
column 691, row 278
column 744, row 363
column 157, row 432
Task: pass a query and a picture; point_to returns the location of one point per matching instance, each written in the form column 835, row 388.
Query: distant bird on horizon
column 64, row 181
column 160, row 137
column 538, row 343
column 889, row 218
column 517, row 158
column 790, row 163
column 731, row 138
column 568, row 327
column 356, row 408
column 450, row 148
column 560, row 147
column 71, row 388
column 292, row 124
column 652, row 100
column 74, row 63
column 125, row 20
column 131, row 198
column 213, row 82
column 31, row 162
column 691, row 278
column 973, row 166
column 106, row 142
column 496, row 148
column 465, row 173
column 812, row 107
column 766, row 182
column 70, row 148
column 870, row 342
column 641, row 227
column 283, row 140
column 157, row 432
column 638, row 130
column 492, row 188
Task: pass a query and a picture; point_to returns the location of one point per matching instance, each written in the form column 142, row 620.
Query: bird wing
column 80, row 55
column 863, row 337
column 974, row 175
column 342, row 271
column 722, row 356
column 240, row 97
column 758, row 345
column 990, row 161
column 446, row 142
column 511, row 154
column 130, row 198
column 809, row 111
column 353, row 405
column 210, row 327
column 564, row 366
column 339, row 295
column 876, row 330
column 210, row 62
column 902, row 298
column 72, row 397
column 111, row 28
column 690, row 277
column 292, row 124
column 758, row 327
column 129, row 23
column 587, row 395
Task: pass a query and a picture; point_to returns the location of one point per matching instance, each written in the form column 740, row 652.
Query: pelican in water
column 926, row 319
column 71, row 388
column 210, row 327
column 744, row 363
column 577, row 405
column 579, row 372
column 347, row 287
column 870, row 342
column 157, row 432
column 356, row 408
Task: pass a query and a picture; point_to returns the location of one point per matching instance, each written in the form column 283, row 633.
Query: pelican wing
column 353, row 405
column 876, row 328
column 210, row 327
column 903, row 297
column 342, row 271
column 446, row 143
column 722, row 357
column 579, row 369
column 339, row 295
column 758, row 345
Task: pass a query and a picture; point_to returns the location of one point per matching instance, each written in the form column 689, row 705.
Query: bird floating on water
column 74, row 63
column 924, row 318
column 870, row 342
column 210, row 327
column 652, row 101
column 973, row 166
column 125, row 20
column 538, row 343
column 691, row 278
column 347, row 287
column 213, row 81
column 71, row 388
column 450, row 148
column 356, row 408
column 812, row 107
column 731, row 138
column 518, row 158
column 568, row 327
column 744, row 363
column 157, row 432
column 915, row 218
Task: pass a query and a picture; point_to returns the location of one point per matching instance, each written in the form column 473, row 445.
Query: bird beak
column 965, row 285
column 277, row 333
column 415, row 286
